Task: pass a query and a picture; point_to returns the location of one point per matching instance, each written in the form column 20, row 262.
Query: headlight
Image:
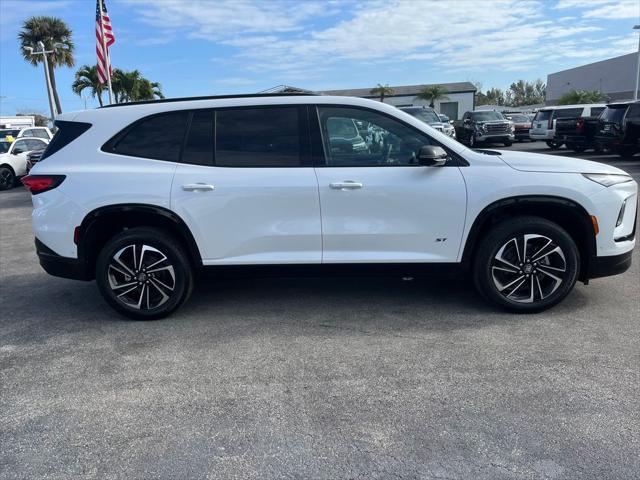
column 607, row 179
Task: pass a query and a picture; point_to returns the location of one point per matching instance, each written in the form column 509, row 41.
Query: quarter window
column 159, row 137
column 258, row 137
column 198, row 148
column 359, row 138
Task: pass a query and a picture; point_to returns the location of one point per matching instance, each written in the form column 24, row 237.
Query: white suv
column 143, row 196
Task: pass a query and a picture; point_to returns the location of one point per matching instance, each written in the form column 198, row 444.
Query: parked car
column 484, row 126
column 142, row 196
column 619, row 128
column 444, row 118
column 13, row 159
column 9, row 134
column 543, row 126
column 429, row 116
column 521, row 125
column 578, row 133
column 39, row 132
column 34, row 156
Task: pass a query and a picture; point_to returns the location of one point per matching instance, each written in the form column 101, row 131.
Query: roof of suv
column 563, row 107
column 210, row 97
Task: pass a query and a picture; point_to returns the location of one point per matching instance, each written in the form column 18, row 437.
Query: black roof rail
column 211, row 97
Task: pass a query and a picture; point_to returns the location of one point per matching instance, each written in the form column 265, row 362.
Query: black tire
column 508, row 143
column 553, row 145
column 500, row 284
column 7, row 178
column 152, row 277
column 601, row 149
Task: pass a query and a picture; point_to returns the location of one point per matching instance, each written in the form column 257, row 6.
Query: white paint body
column 292, row 215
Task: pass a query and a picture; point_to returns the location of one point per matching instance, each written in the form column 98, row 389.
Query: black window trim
column 456, row 159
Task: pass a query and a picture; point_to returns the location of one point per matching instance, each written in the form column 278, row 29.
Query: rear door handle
column 197, row 187
column 346, row 185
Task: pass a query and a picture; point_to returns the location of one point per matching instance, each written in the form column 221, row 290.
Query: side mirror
column 467, row 121
column 17, row 151
column 432, row 156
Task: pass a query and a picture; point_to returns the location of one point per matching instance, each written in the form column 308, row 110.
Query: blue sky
column 208, row 47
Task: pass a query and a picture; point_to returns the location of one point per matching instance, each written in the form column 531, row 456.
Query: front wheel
column 553, row 145
column 526, row 264
column 508, row 143
column 144, row 274
column 7, row 178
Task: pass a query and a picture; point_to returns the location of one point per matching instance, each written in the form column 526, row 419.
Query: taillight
column 580, row 125
column 42, row 183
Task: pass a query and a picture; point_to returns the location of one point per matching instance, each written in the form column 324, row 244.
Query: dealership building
column 615, row 78
column 460, row 97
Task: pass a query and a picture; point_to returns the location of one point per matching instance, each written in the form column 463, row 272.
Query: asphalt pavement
column 314, row 378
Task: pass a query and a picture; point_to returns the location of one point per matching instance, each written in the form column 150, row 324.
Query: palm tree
column 132, row 87
column 432, row 93
column 48, row 30
column 87, row 77
column 382, row 91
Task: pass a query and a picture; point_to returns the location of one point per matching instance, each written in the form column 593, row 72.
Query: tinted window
column 486, row 116
column 198, row 148
column 158, row 137
column 543, row 115
column 568, row 112
column 596, row 111
column 614, row 114
column 258, row 137
column 384, row 142
column 427, row 116
column 634, row 110
column 4, row 147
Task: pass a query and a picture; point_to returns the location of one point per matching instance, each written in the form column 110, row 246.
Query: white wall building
column 461, row 97
column 18, row 121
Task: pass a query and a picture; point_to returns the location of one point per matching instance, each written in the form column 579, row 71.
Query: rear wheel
column 144, row 274
column 7, row 178
column 526, row 264
column 553, row 145
column 578, row 147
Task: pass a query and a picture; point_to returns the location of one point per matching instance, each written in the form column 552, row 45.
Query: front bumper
column 58, row 266
column 494, row 137
column 608, row 266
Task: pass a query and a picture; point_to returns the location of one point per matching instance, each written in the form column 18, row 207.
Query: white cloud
column 14, row 13
column 619, row 10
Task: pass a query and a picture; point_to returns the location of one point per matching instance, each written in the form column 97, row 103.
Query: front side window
column 158, row 137
column 20, row 146
column 35, row 145
column 383, row 142
column 40, row 133
column 258, row 137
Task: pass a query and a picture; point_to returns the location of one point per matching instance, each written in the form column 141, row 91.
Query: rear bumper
column 58, row 266
column 612, row 265
column 545, row 135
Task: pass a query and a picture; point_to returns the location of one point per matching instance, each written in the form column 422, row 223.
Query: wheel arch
column 567, row 213
column 101, row 224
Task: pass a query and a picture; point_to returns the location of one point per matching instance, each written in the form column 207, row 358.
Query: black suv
column 619, row 128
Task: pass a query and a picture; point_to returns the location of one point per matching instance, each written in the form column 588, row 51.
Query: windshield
column 427, row 116
column 4, row 147
column 518, row 118
column 486, row 116
column 613, row 114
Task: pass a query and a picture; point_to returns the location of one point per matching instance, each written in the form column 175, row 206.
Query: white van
column 543, row 126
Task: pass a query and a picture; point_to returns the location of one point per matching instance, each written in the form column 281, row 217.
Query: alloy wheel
column 6, row 178
column 528, row 268
column 141, row 277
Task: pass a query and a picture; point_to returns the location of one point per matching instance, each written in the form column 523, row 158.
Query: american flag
column 102, row 45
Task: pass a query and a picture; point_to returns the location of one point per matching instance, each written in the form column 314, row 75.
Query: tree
column 578, row 97
column 494, row 96
column 432, row 93
column 133, row 87
column 87, row 78
column 50, row 31
column 382, row 91
column 526, row 93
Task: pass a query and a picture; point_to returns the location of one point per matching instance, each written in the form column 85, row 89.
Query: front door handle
column 197, row 187
column 346, row 185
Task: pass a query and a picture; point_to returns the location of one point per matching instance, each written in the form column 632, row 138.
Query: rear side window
column 158, row 137
column 568, row 113
column 596, row 111
column 198, row 147
column 67, row 133
column 258, row 137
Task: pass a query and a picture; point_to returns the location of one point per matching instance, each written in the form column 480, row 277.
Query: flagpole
column 106, row 55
